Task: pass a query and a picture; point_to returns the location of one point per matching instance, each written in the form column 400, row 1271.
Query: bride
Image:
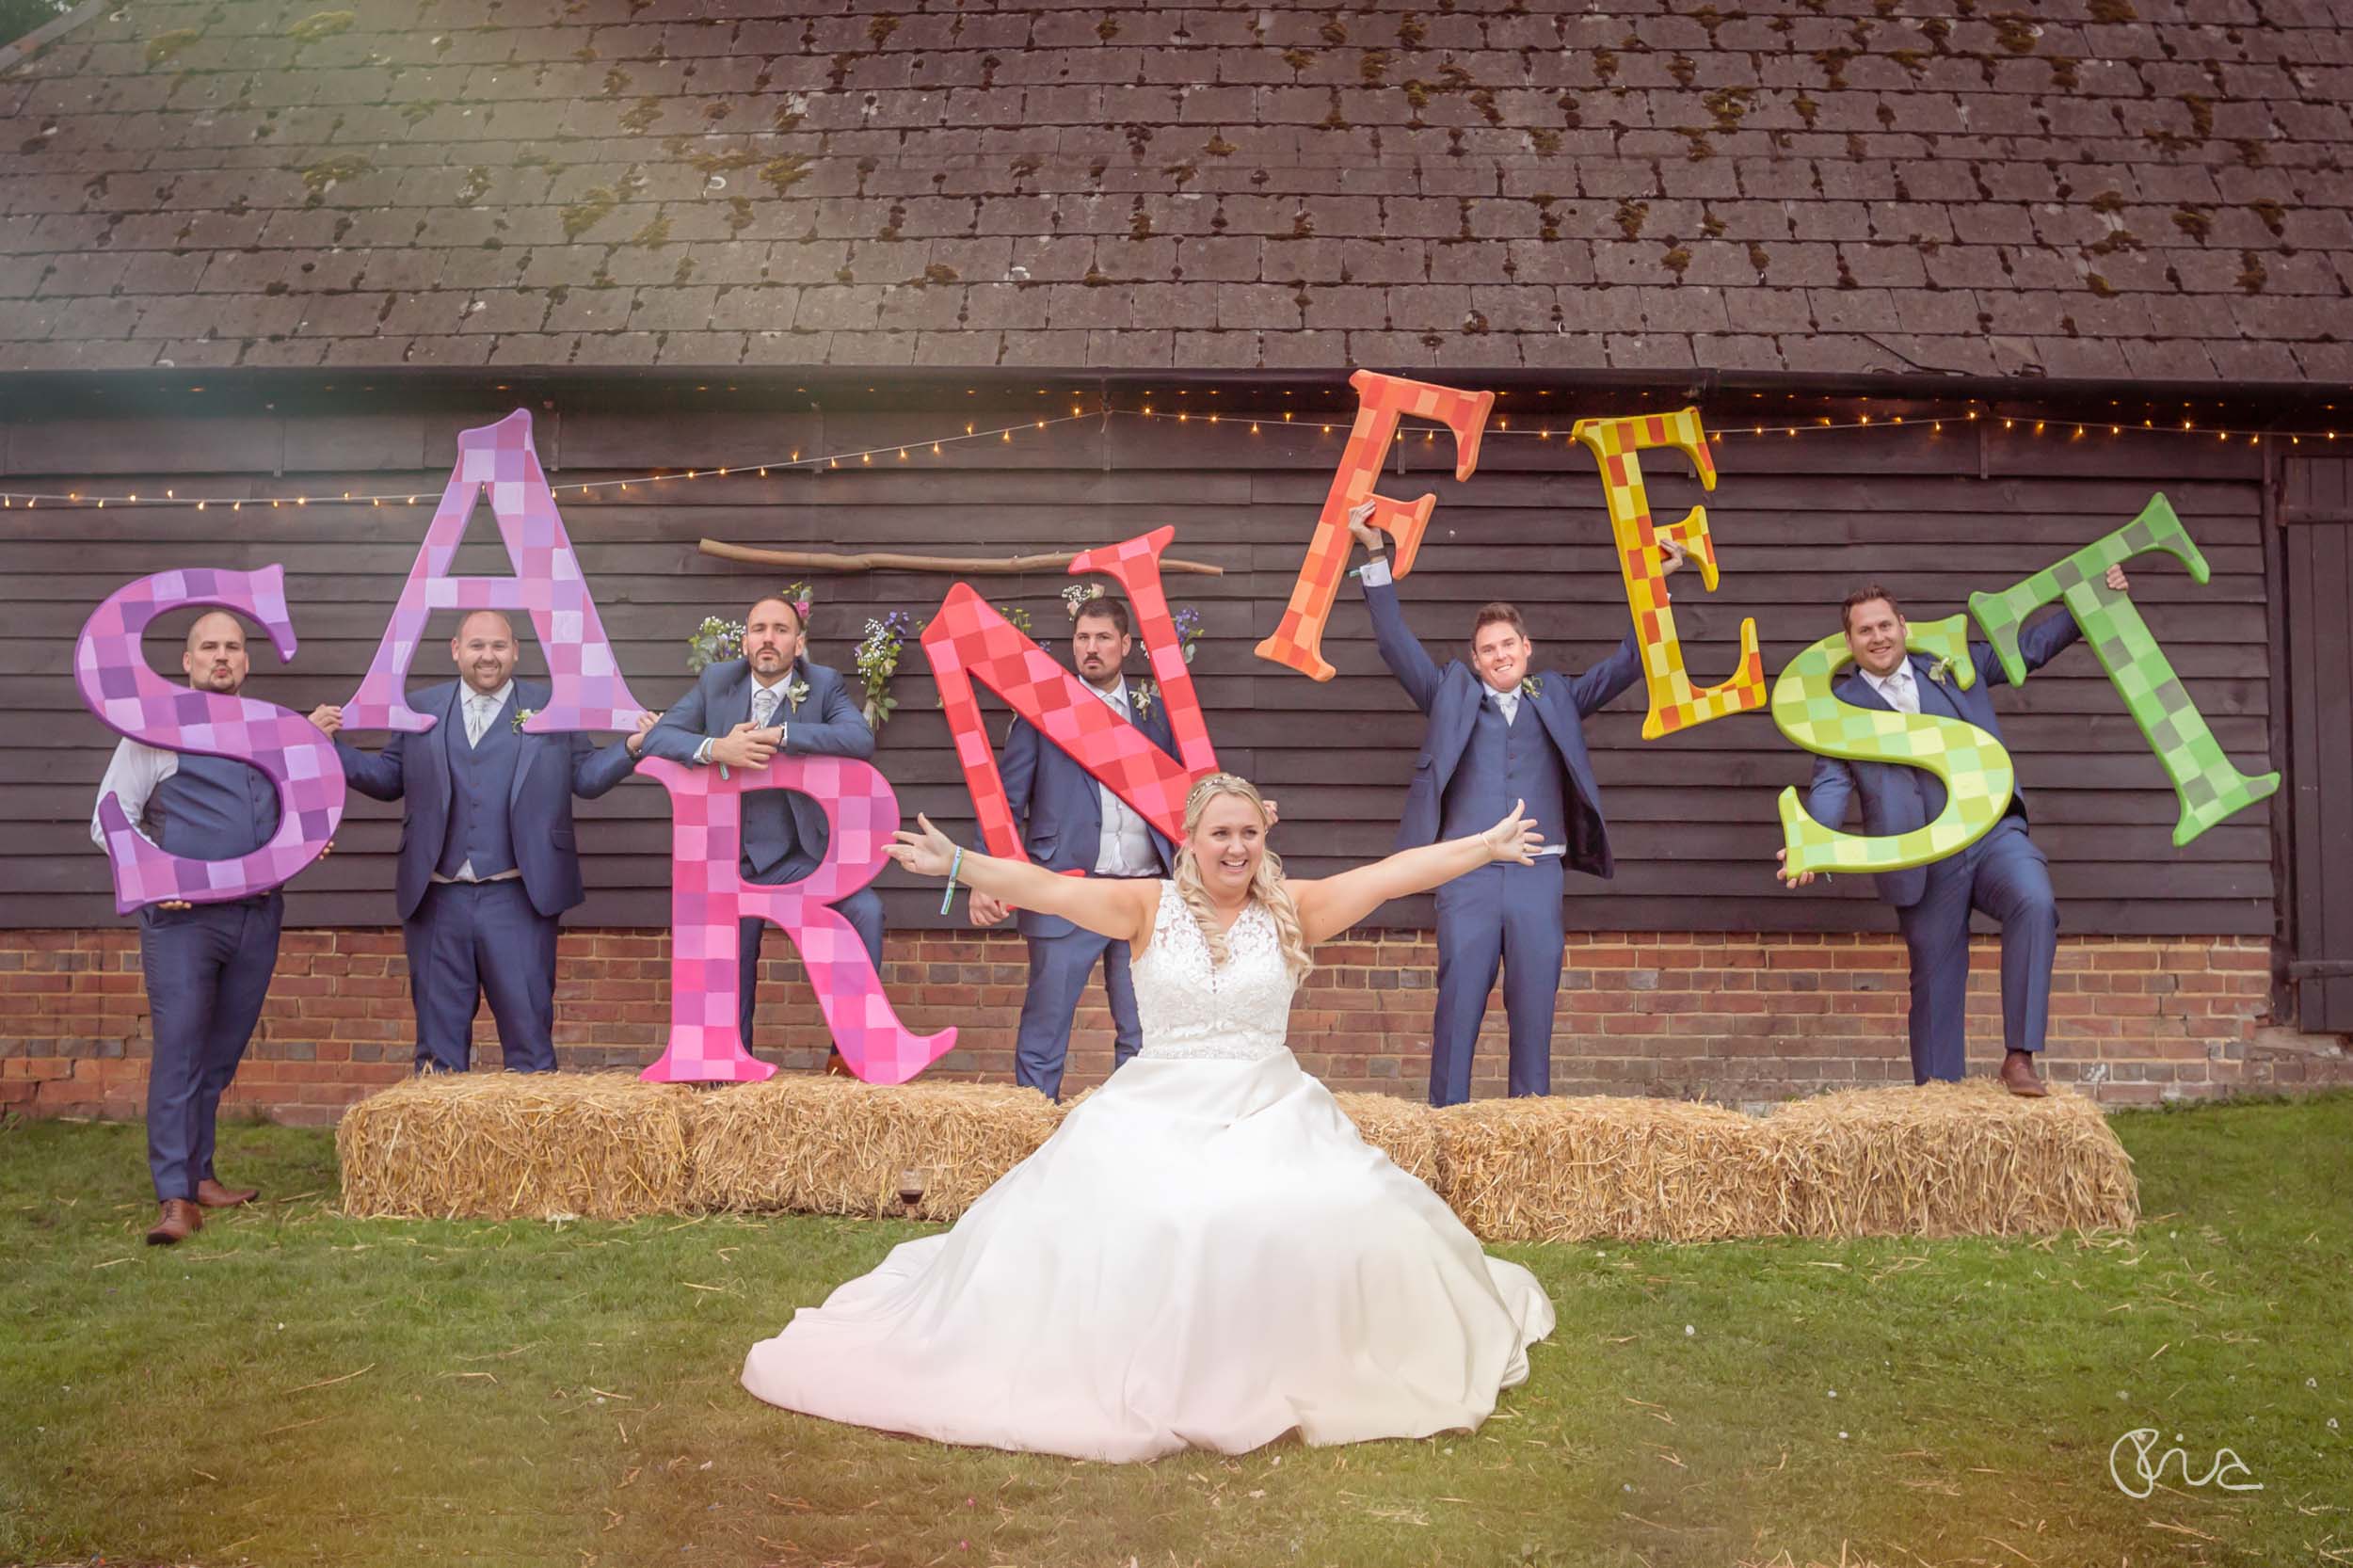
column 1204, row 1254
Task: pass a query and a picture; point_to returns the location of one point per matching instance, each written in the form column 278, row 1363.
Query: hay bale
column 1949, row 1160
column 1400, row 1129
column 834, row 1146
column 506, row 1145
column 1641, row 1170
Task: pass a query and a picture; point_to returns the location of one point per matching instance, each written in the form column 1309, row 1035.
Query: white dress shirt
column 132, row 775
column 1508, row 703
column 1897, row 686
column 768, row 695
column 1126, row 846
column 481, row 708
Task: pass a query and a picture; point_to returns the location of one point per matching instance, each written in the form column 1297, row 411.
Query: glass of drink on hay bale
column 911, row 1189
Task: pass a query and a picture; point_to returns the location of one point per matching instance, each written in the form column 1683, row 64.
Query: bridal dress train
column 1204, row 1254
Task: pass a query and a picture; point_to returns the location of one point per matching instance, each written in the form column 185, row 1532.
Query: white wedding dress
column 1204, row 1254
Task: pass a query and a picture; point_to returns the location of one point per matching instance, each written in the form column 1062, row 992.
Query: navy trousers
column 471, row 940
column 1506, row 916
column 864, row 911
column 2005, row 876
column 1059, row 968
column 207, row 971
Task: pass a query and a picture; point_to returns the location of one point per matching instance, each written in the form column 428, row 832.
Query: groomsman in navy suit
column 2004, row 873
column 742, row 714
column 1497, row 736
column 207, row 965
column 1071, row 823
column 488, row 854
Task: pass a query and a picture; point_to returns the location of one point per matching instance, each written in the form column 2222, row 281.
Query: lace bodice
column 1191, row 1008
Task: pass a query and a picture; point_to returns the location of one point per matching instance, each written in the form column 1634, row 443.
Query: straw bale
column 1400, row 1128
column 834, row 1146
column 1946, row 1159
column 502, row 1146
column 1967, row 1158
column 1564, row 1169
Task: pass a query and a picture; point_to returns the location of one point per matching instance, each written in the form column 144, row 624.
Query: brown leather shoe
column 837, row 1067
column 2018, row 1076
column 212, row 1194
column 181, row 1219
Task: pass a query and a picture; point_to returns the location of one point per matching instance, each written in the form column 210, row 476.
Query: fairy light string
column 896, row 452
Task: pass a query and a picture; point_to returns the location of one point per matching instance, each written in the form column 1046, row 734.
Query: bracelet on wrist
column 947, row 895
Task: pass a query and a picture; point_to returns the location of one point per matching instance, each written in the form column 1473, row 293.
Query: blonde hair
column 1266, row 886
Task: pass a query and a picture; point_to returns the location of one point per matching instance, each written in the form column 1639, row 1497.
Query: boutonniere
column 1141, row 695
column 795, row 692
column 1943, row 667
column 1532, row 686
column 522, row 716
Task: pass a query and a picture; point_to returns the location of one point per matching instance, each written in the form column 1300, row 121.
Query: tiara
column 1215, row 782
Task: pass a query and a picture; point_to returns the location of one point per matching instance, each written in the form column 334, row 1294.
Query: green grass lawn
column 296, row 1388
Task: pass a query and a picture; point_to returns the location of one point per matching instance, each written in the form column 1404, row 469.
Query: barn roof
column 2147, row 190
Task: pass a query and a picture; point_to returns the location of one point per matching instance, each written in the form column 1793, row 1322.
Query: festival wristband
column 949, row 895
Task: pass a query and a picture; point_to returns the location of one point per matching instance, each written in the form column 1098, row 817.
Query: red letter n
column 968, row 641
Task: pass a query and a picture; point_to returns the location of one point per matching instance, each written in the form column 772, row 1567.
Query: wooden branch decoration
column 884, row 560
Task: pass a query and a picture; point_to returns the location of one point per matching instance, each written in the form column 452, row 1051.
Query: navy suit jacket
column 1451, row 696
column 1893, row 800
column 414, row 768
column 1058, row 807
column 824, row 723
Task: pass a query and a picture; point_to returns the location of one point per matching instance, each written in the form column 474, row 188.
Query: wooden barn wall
column 1797, row 520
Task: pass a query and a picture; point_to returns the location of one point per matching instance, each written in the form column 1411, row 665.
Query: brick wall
column 1737, row 1019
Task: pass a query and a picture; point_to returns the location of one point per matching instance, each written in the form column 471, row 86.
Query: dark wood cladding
column 1797, row 520
column 2316, row 514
